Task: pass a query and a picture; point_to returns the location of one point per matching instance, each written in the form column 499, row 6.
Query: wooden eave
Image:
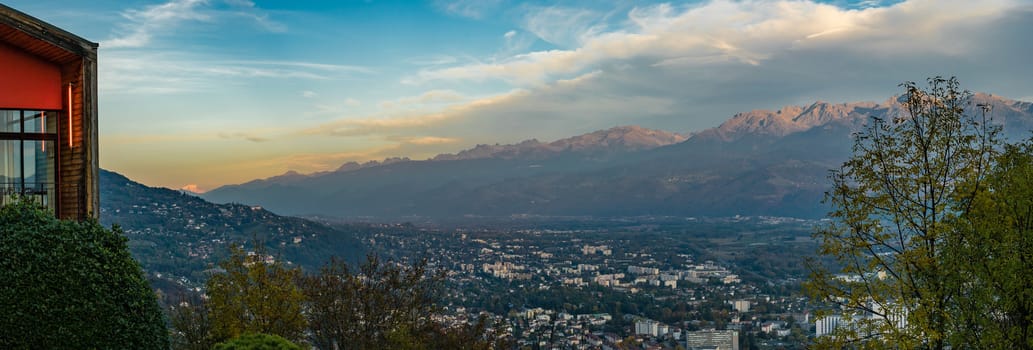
column 43, row 39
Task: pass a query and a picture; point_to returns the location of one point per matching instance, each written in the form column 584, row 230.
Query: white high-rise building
column 742, row 305
column 647, row 327
column 827, row 324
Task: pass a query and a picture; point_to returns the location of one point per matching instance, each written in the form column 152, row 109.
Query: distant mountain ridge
column 791, row 119
column 613, row 140
column 617, row 139
column 177, row 236
column 756, row 163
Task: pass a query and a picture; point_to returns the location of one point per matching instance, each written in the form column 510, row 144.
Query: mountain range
column 761, row 162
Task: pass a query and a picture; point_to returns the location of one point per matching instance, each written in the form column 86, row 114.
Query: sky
column 201, row 93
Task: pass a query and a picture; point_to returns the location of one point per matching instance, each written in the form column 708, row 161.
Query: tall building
column 741, row 305
column 826, row 325
column 711, row 339
column 48, row 116
column 647, row 327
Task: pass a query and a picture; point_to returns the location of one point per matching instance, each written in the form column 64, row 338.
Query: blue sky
column 202, row 93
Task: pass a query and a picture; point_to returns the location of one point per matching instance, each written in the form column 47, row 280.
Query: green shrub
column 66, row 284
column 257, row 342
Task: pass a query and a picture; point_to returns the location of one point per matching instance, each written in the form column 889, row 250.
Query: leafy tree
column 257, row 342
column 191, row 327
column 482, row 334
column 255, row 296
column 71, row 284
column 383, row 305
column 995, row 258
column 893, row 205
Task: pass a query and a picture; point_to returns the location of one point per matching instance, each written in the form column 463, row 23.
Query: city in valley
column 551, row 282
column 658, row 282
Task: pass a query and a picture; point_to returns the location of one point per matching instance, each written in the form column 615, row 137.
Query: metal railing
column 44, row 194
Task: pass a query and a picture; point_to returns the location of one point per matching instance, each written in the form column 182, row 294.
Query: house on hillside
column 48, row 116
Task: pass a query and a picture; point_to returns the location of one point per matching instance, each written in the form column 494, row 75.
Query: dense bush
column 257, row 342
column 67, row 284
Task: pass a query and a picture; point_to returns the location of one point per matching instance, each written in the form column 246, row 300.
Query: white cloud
column 724, row 31
column 141, row 26
column 564, row 26
column 243, row 136
column 425, row 140
column 391, row 121
column 304, row 65
column 515, row 42
column 475, row 9
column 428, row 99
column 309, row 94
column 433, row 60
column 163, row 73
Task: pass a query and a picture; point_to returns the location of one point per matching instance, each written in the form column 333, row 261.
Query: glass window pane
column 39, row 171
column 29, row 165
column 10, row 170
column 39, row 161
column 33, row 122
column 10, row 121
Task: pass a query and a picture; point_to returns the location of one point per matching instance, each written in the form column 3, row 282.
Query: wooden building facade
column 48, row 116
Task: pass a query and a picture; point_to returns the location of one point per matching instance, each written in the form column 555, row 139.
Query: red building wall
column 28, row 82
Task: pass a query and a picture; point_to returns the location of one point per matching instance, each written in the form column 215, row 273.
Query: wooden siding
column 90, row 133
column 72, row 161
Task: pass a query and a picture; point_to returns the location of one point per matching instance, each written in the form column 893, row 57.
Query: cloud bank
column 696, row 64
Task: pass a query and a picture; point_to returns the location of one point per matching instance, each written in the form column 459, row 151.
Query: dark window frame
column 50, row 135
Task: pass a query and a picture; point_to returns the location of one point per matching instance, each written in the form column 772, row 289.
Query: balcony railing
column 44, row 194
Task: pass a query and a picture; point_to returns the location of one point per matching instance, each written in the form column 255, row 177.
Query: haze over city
column 202, row 93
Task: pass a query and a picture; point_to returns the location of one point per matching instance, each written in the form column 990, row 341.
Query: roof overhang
column 43, row 39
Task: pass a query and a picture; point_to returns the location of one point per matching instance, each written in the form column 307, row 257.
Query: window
column 28, row 156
